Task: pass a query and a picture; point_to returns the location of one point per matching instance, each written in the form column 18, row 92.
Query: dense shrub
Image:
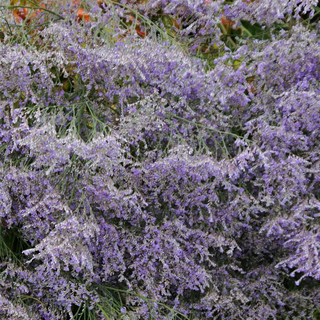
column 160, row 159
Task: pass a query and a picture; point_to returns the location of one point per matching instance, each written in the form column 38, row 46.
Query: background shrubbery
column 159, row 159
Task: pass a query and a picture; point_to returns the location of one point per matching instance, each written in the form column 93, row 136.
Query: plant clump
column 159, row 159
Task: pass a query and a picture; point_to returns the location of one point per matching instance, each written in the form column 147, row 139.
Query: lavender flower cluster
column 128, row 162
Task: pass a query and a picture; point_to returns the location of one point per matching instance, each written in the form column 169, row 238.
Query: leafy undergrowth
column 159, row 159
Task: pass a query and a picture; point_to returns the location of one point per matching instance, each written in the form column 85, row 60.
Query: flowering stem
column 215, row 130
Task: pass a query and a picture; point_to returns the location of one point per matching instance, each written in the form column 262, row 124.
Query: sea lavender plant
column 131, row 166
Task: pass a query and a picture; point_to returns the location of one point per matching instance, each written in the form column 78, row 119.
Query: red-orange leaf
column 82, row 15
column 4, row 223
column 20, row 13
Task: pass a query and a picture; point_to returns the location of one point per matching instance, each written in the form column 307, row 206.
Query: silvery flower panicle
column 8, row 310
column 284, row 62
column 55, row 295
column 268, row 11
column 5, row 200
column 20, row 63
column 67, row 246
column 50, row 151
column 43, row 213
column 305, row 260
